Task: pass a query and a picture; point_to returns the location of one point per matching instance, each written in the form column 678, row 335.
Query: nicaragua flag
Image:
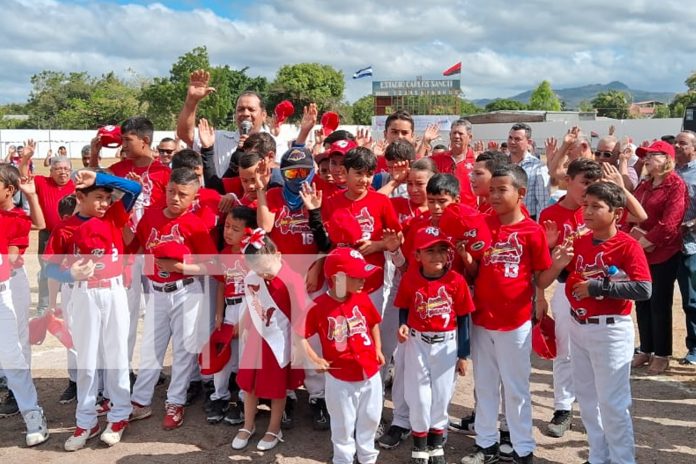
column 363, row 72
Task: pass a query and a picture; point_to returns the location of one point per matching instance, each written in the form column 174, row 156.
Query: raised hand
column 551, row 145
column 206, row 133
column 552, row 234
column 563, row 254
column 311, row 196
column 572, row 135
column 85, row 178
column 391, row 239
column 29, row 149
column 493, row 145
column 363, row 138
column 611, row 174
column 479, row 148
column 380, row 147
column 399, row 171
column 309, row 117
column 612, row 129
column 431, row 133
column 198, row 85
column 27, row 185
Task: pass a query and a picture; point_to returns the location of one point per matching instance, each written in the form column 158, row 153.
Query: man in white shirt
column 537, row 197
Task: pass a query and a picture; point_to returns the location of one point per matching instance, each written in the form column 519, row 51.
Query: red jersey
column 433, row 305
column 154, row 179
column 374, row 213
column 290, row 232
column 13, row 232
column 462, row 170
column 233, row 272
column 205, row 206
column 569, row 221
column 21, row 241
column 503, row 290
column 174, row 238
column 96, row 239
column 344, row 329
column 406, row 212
column 49, row 195
column 591, row 261
column 328, row 189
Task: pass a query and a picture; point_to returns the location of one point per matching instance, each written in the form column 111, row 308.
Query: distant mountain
column 573, row 96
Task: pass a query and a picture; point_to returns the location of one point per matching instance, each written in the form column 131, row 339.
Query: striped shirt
column 538, row 194
column 688, row 175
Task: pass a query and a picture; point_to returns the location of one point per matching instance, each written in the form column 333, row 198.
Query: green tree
column 363, row 110
column 682, row 100
column 305, row 83
column 585, row 106
column 661, row 112
column 502, row 104
column 53, row 92
column 544, row 99
column 468, row 107
column 612, row 104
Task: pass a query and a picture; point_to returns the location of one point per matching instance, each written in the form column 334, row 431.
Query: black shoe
column 288, row 419
column 3, row 383
column 69, row 394
column 9, row 406
column 482, row 455
column 194, row 391
column 559, row 424
column 436, row 448
column 419, row 452
column 393, row 437
column 505, row 450
column 527, row 459
column 235, row 414
column 208, row 390
column 464, row 425
column 320, row 415
column 218, row 409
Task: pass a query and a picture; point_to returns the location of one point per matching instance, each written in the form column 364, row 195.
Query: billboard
column 416, row 88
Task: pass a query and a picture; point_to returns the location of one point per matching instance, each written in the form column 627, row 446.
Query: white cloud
column 505, row 48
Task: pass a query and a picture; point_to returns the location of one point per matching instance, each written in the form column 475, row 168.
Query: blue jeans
column 686, row 276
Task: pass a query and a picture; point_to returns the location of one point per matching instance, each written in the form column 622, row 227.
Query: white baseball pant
column 390, row 323
column 355, row 409
column 563, row 390
column 174, row 316
column 429, row 374
column 206, row 323
column 12, row 359
column 400, row 414
column 503, row 356
column 314, row 381
column 601, row 363
column 65, row 293
column 21, row 300
column 99, row 327
column 221, row 379
column 137, row 292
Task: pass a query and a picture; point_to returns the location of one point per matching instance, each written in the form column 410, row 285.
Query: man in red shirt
column 50, row 190
column 459, row 160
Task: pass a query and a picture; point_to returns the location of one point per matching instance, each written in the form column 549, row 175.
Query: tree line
column 77, row 100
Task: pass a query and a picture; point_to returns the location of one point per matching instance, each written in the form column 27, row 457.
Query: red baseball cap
column 349, row 261
column 58, row 329
column 343, row 228
column 544, row 338
column 656, row 147
column 171, row 250
column 341, row 147
column 329, row 122
column 429, row 236
column 283, row 111
column 215, row 354
column 37, row 329
column 110, row 136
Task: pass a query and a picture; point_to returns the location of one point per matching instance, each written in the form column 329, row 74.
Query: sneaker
column 208, row 390
column 79, row 438
column 689, row 359
column 527, row 459
column 380, row 429
column 320, row 415
column 218, row 408
column 103, row 407
column 288, row 419
column 139, row 411
column 9, row 406
column 69, row 394
column 419, row 456
column 505, row 449
column 113, row 432
column 37, row 428
column 559, row 424
column 393, row 437
column 464, row 425
column 195, row 390
column 436, row 449
column 173, row 417
column 235, row 414
column 482, row 455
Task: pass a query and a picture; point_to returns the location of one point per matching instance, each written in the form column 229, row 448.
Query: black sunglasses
column 603, row 154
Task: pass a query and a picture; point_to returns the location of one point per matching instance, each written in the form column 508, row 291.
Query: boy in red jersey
column 168, row 235
column 348, row 326
column 606, row 269
column 98, row 300
column 501, row 329
column 486, row 163
column 434, row 302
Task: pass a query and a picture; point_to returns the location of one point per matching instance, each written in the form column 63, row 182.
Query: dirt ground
column 664, row 415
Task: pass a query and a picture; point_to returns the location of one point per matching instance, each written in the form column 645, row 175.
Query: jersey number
column 307, row 238
column 511, row 270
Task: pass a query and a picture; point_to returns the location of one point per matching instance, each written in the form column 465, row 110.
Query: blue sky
column 505, row 47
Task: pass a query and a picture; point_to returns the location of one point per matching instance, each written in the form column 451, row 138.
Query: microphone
column 245, row 127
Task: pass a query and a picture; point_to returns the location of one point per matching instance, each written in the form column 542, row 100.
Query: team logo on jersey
column 596, row 270
column 432, row 306
column 235, row 276
column 342, row 328
column 146, row 193
column 367, row 223
column 98, row 253
column 264, row 313
column 289, row 222
column 156, row 239
column 509, row 251
column 572, row 234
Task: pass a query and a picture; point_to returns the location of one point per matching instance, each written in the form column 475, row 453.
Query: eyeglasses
column 61, row 169
column 603, row 154
column 162, row 151
column 296, row 173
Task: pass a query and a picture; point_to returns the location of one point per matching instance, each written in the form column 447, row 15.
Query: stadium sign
column 416, row 88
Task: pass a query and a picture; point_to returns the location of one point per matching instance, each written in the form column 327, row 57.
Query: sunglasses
column 603, row 154
column 162, row 151
column 296, row 173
